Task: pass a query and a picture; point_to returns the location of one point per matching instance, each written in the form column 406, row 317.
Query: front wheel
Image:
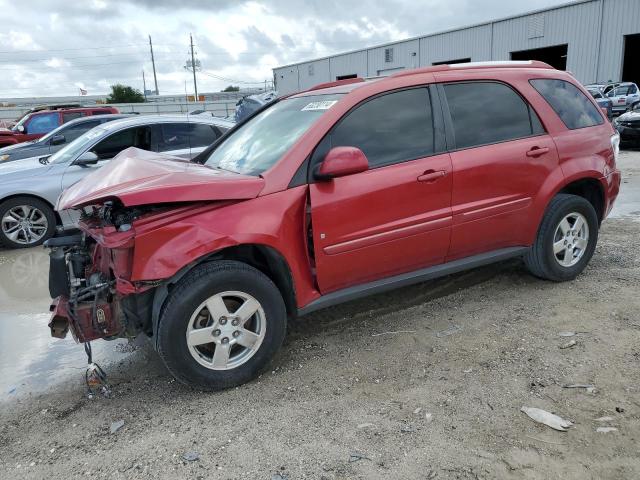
column 25, row 222
column 222, row 324
column 566, row 239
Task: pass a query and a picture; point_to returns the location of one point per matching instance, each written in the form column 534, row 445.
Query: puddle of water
column 31, row 361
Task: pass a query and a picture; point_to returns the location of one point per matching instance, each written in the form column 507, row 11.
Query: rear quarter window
column 572, row 106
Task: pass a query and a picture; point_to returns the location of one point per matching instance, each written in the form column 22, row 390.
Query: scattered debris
column 417, row 411
column 408, row 429
column 428, row 417
column 468, row 370
column 546, row 418
column 545, row 441
column 191, row 456
column 567, row 334
column 117, row 425
column 619, row 409
column 392, row 333
column 356, row 457
column 606, row 429
column 570, row 344
column 366, row 425
column 279, row 476
column 604, row 419
column 449, row 331
column 589, row 388
column 12, row 390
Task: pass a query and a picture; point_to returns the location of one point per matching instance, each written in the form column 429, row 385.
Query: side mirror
column 21, row 129
column 87, row 158
column 342, row 161
column 57, row 140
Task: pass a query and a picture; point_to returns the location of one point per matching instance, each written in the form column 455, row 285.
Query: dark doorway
column 630, row 63
column 555, row 56
column 448, row 62
column 345, row 77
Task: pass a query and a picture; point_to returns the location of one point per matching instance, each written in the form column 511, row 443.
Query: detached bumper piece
column 86, row 321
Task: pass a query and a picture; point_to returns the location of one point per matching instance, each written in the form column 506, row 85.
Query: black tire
column 541, row 260
column 197, row 286
column 36, row 203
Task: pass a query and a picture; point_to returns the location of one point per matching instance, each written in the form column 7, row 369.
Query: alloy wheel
column 226, row 330
column 24, row 224
column 571, row 239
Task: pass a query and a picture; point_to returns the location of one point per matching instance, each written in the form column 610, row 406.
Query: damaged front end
column 89, row 278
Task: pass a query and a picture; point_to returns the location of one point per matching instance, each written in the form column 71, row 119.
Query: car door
column 107, row 148
column 501, row 157
column 184, row 139
column 396, row 216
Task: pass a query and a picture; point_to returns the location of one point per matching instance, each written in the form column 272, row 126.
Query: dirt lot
column 438, row 397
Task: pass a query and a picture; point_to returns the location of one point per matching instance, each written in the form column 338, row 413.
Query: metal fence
column 219, row 108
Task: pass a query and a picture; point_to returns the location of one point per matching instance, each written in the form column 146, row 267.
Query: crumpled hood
column 138, row 177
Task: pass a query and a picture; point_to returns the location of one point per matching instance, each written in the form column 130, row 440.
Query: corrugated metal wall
column 594, row 31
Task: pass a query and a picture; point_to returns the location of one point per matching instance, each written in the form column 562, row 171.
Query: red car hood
column 138, row 177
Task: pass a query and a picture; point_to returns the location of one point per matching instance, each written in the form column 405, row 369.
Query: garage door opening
column 631, row 65
column 346, row 77
column 555, row 56
column 451, row 62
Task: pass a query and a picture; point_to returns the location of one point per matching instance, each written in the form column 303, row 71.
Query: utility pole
column 193, row 67
column 153, row 63
column 144, row 86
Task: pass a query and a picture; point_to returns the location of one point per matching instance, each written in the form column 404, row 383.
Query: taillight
column 615, row 147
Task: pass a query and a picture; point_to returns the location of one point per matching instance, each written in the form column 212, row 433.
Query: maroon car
column 38, row 123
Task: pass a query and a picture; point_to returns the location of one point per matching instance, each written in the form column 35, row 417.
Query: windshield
column 69, row 152
column 258, row 144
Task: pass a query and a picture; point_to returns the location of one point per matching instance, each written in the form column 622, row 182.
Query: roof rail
column 346, row 81
column 472, row 65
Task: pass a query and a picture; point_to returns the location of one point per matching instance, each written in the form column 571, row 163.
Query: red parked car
column 38, row 123
column 348, row 189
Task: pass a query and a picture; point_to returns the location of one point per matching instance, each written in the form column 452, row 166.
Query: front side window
column 74, row 131
column 139, row 137
column 392, row 128
column 572, row 106
column 43, row 123
column 489, row 112
column 260, row 142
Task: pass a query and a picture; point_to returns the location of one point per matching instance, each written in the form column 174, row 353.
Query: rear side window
column 74, row 131
column 572, row 106
column 179, row 136
column 393, row 128
column 488, row 112
column 68, row 116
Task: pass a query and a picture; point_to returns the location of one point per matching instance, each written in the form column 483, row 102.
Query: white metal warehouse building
column 596, row 40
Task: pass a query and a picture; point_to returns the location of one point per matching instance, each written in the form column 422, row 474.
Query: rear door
column 184, row 139
column 396, row 216
column 501, row 158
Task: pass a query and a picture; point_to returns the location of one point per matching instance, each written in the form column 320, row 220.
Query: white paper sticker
column 325, row 105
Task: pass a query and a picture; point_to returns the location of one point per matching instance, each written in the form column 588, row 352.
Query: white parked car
column 624, row 97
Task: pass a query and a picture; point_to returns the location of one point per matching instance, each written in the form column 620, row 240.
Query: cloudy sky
column 55, row 48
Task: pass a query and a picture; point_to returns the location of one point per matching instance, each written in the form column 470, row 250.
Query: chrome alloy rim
column 226, row 330
column 24, row 224
column 571, row 239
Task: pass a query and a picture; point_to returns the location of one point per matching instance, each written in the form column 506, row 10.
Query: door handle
column 431, row 175
column 537, row 151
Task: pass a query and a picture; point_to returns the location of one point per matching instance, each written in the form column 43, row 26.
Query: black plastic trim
column 402, row 280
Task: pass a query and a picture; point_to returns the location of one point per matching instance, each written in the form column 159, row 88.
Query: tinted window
column 43, row 123
column 139, row 137
column 74, row 131
column 485, row 112
column 571, row 105
column 68, row 116
column 595, row 93
column 389, row 129
column 178, row 136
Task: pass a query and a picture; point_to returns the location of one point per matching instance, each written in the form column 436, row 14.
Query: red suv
column 345, row 190
column 38, row 123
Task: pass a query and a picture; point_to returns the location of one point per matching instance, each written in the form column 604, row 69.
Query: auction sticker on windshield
column 324, row 105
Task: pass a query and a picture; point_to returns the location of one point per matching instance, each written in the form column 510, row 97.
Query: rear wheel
column 25, row 222
column 222, row 324
column 566, row 239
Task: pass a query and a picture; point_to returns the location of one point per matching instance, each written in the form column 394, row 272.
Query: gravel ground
column 422, row 383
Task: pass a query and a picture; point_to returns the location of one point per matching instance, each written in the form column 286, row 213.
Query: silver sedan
column 29, row 188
